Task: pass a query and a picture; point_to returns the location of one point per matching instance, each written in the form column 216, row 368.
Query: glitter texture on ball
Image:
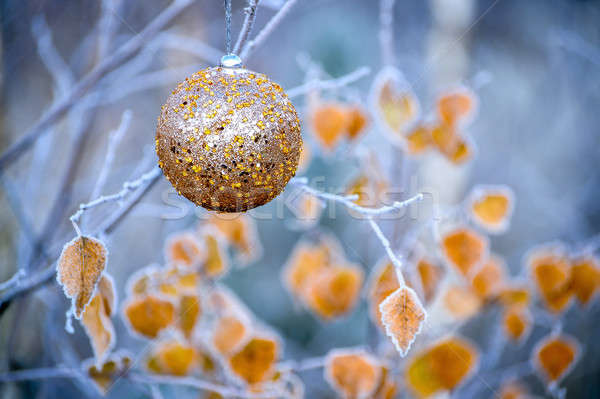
column 228, row 139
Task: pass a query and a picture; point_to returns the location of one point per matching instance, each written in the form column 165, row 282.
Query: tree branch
column 247, row 26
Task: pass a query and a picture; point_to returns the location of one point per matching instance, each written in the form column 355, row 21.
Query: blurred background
column 534, row 65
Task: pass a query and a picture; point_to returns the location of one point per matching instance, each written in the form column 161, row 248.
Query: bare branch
column 328, row 84
column 267, row 30
column 247, row 26
column 114, row 139
column 390, row 252
column 386, row 31
column 40, row 374
column 60, row 108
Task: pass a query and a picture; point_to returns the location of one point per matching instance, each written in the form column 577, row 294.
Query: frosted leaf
column 491, row 207
column 402, row 316
column 465, row 249
column 462, row 302
column 382, row 282
column 149, row 315
column 189, row 312
column 456, row 106
column 105, row 374
column 171, row 357
column 550, row 268
column 352, row 373
column 356, row 121
column 255, row 361
column 184, row 249
column 517, row 322
column 489, row 279
column 96, row 319
column 585, row 278
column 329, row 122
column 239, row 229
column 229, row 333
column 554, row 356
column 80, row 266
column 335, row 291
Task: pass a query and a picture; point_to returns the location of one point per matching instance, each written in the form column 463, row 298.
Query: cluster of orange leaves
column 320, row 277
column 332, row 121
column 355, row 374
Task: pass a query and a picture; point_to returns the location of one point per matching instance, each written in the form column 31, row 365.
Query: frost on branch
column 80, row 266
column 353, row 373
column 402, row 316
column 96, row 319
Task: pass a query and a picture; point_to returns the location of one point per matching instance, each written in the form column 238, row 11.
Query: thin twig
column 301, row 182
column 198, row 384
column 330, row 84
column 267, row 30
column 128, row 186
column 390, row 252
column 310, row 363
column 60, row 108
column 386, row 31
column 40, row 374
column 114, row 139
column 13, row 280
column 247, row 26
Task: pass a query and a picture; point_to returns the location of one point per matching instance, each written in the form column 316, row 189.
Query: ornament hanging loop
column 231, row 61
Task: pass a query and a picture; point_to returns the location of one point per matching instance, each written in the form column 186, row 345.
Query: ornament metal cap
column 231, row 61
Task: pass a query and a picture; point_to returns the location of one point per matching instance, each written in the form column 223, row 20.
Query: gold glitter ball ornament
column 228, row 139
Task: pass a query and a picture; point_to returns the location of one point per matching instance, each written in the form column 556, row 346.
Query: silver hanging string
column 228, row 25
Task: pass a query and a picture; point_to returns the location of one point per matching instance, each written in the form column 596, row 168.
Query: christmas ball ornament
column 228, row 139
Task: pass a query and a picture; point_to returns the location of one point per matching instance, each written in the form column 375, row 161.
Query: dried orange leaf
column 465, row 249
column 463, row 151
column 189, row 312
column 184, row 249
column 456, row 105
column 554, row 356
column 352, row 373
column 96, row 319
column 395, row 105
column 80, row 266
column 488, row 280
column 550, row 268
column 171, row 357
column 240, row 231
column 149, row 315
column 445, row 138
column 514, row 294
column 403, row 316
column 329, row 123
column 585, row 278
column 105, row 374
column 255, row 361
column 513, row 390
column 517, row 323
column 382, row 283
column 356, row 121
column 491, row 207
column 441, row 367
column 229, row 333
column 216, row 263
column 419, row 139
column 430, row 275
column 388, row 388
column 334, row 291
column 304, row 263
column 462, row 302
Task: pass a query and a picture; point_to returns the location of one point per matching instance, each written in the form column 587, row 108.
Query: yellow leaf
column 517, row 323
column 80, row 266
column 352, row 373
column 216, row 263
column 255, row 361
column 465, row 249
column 488, row 280
column 189, row 311
column 456, row 105
column 149, row 315
column 96, row 319
column 356, row 121
column 402, row 315
column 462, row 302
column 329, row 123
column 550, row 268
column 554, row 356
column 304, row 264
column 184, row 249
column 334, row 291
column 105, row 374
column 491, row 207
column 240, row 231
column 441, row 367
column 419, row 139
column 585, row 278
column 171, row 357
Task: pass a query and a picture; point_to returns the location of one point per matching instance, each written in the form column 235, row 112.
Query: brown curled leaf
column 79, row 268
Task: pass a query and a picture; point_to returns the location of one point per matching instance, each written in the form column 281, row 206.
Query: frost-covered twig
column 390, row 252
column 302, row 365
column 114, row 139
column 348, row 201
column 267, row 30
column 40, row 374
column 13, row 280
column 330, row 84
column 119, row 57
column 128, row 186
column 192, row 46
column 247, row 26
column 54, row 63
column 198, row 384
column 386, row 31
